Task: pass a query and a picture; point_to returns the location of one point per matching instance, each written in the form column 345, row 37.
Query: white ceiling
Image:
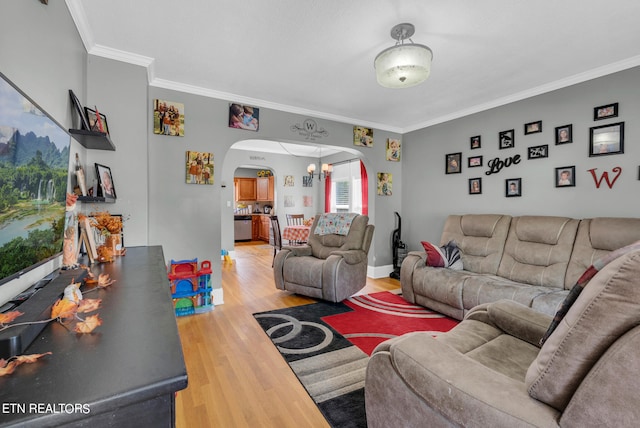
column 315, row 57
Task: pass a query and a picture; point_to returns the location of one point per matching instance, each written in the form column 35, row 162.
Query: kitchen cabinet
column 264, row 189
column 265, row 226
column 245, row 189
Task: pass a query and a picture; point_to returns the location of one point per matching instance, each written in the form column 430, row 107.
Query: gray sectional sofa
column 533, row 260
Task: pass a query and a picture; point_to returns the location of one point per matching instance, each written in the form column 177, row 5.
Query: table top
column 296, row 233
column 135, row 355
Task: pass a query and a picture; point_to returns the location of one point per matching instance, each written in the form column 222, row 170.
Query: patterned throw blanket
column 575, row 291
column 334, row 223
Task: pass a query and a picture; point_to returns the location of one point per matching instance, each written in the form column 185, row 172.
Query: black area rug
column 329, row 366
column 327, row 345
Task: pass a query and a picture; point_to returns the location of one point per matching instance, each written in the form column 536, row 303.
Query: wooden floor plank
column 237, row 378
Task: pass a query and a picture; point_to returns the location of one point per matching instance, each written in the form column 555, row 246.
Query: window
column 346, row 189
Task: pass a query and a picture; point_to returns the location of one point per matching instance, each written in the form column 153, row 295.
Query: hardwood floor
column 237, row 378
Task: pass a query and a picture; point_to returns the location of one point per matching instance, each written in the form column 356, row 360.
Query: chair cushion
column 607, row 308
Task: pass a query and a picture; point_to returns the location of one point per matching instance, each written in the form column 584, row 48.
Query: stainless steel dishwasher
column 242, row 227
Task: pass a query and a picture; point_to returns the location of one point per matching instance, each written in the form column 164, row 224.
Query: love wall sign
column 496, row 164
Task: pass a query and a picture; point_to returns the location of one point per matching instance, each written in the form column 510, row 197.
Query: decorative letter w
column 605, row 176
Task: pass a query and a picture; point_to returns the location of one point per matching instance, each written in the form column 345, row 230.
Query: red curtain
column 365, row 189
column 327, row 194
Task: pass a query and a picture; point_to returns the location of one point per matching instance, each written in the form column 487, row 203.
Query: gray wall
column 429, row 195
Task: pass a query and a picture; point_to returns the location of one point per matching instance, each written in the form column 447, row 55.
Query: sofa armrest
column 299, row 250
column 463, row 390
column 351, row 257
column 519, row 320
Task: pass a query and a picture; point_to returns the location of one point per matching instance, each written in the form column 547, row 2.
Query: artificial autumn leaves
column 65, row 310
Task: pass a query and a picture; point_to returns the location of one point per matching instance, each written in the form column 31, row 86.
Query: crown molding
column 539, row 90
column 205, row 92
column 82, row 24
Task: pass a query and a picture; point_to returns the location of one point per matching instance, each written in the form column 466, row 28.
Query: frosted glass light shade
column 403, row 66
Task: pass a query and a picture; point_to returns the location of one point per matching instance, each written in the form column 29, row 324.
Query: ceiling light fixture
column 405, row 64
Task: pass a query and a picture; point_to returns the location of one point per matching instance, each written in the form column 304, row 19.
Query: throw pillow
column 435, row 256
column 447, row 256
column 582, row 282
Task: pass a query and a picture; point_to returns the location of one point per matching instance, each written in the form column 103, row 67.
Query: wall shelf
column 93, row 140
column 95, row 199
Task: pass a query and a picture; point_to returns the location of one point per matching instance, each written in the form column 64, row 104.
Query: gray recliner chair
column 330, row 267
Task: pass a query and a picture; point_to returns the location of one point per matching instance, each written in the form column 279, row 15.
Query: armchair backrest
column 358, row 238
column 607, row 308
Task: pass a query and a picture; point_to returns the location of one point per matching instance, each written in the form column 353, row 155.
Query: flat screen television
column 34, row 174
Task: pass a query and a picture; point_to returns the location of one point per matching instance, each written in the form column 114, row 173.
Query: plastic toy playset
column 191, row 287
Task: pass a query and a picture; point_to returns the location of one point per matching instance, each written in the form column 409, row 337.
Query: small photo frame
column 199, row 167
column 106, row 188
column 168, row 118
column 307, row 181
column 384, row 184
column 453, row 163
column 533, row 127
column 564, row 134
column 244, row 117
column 475, row 142
column 513, row 187
column 84, row 123
column 538, row 152
column 474, row 161
column 97, row 122
column 506, row 139
column 606, row 140
column 565, row 176
column 394, row 147
column 475, row 186
column 605, row 112
column 362, row 136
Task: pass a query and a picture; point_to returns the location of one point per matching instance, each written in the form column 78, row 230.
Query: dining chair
column 277, row 236
column 295, row 219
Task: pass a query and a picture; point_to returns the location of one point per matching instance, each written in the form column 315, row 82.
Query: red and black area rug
column 327, row 345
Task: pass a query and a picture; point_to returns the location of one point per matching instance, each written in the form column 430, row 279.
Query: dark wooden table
column 124, row 374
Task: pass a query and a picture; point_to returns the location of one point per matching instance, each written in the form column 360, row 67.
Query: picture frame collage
column 605, row 139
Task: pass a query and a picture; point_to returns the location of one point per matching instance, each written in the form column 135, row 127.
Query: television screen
column 34, row 165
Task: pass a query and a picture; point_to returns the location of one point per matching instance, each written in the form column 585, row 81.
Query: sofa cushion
column 479, row 289
column 607, row 308
column 480, row 238
column 447, row 256
column 538, row 249
column 597, row 237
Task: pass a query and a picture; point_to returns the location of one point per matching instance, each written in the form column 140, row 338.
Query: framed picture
column 532, row 127
column 565, row 176
column 513, row 187
column 452, row 163
column 362, row 136
column 538, row 152
column 168, row 118
column 244, row 117
column 475, row 142
column 475, row 186
column 605, row 112
column 84, row 123
column 97, row 121
column 474, row 161
column 606, row 139
column 106, row 188
column 199, row 168
column 564, row 134
column 393, row 150
column 507, row 139
column 384, row 184
column 307, row 181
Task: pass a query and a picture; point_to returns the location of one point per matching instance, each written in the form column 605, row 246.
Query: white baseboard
column 218, row 296
column 379, row 271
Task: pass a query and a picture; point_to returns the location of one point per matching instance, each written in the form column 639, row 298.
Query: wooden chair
column 277, row 236
column 295, row 219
